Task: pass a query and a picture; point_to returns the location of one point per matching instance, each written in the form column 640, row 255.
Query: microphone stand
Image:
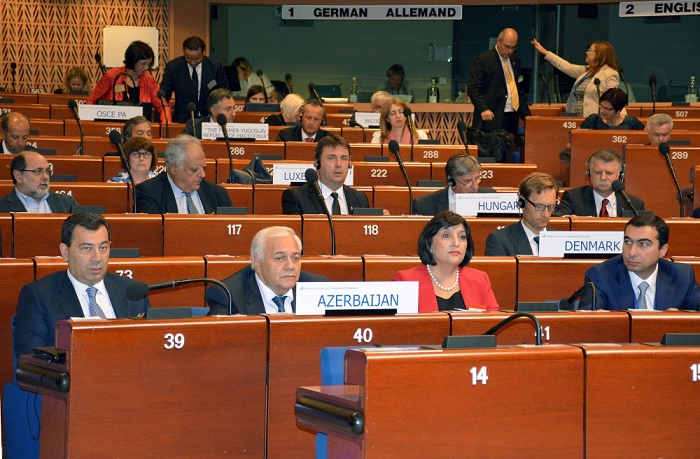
column 221, row 119
column 161, row 96
column 596, row 82
column 578, row 293
column 538, row 329
column 407, row 113
column 394, row 148
column 462, row 129
column 664, row 150
column 13, row 71
column 73, row 105
column 116, row 138
column 354, row 123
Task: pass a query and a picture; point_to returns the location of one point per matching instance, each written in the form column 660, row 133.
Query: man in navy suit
column 15, row 133
column 219, row 102
column 268, row 285
column 85, row 241
column 182, row 188
column 537, row 197
column 313, row 113
column 640, row 278
column 603, row 167
column 178, row 78
column 31, row 174
column 332, row 156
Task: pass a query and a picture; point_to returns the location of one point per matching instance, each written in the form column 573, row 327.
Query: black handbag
column 491, row 142
column 254, row 172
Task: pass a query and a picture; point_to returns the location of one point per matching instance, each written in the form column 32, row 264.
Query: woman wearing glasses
column 593, row 79
column 611, row 115
column 142, row 158
column 445, row 282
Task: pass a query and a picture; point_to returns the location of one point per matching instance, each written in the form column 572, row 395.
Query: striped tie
column 191, row 208
column 95, row 309
column 512, row 88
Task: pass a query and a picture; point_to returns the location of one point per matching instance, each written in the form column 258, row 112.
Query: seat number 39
column 174, row 341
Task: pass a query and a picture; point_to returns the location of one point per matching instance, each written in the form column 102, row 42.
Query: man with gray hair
column 182, row 189
column 219, row 102
column 268, row 284
column 659, row 128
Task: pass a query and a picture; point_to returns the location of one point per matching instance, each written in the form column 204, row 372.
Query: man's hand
column 487, row 115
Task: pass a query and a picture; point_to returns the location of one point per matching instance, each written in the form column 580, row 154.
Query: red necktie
column 309, row 139
column 604, row 209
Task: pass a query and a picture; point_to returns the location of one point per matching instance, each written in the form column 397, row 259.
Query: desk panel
column 693, row 261
column 493, row 174
column 84, row 168
column 14, row 274
column 650, row 326
column 542, row 279
column 30, row 110
column 372, row 174
column 544, row 139
column 93, row 128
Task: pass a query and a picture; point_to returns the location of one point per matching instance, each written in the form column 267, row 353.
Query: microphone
column 116, row 138
column 161, row 96
column 354, row 123
column 462, row 129
column 596, row 82
column 139, row 290
column 13, row 71
column 262, row 83
column 652, row 83
column 192, row 108
column 73, row 105
column 577, row 294
column 619, row 187
column 545, row 85
column 666, row 151
column 407, row 113
column 624, row 80
column 221, row 119
column 394, row 148
column 102, row 67
column 288, row 80
column 517, row 315
column 313, row 92
column 311, row 177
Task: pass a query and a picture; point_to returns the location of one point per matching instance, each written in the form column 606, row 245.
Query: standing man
column 495, row 85
column 192, row 77
column 15, row 133
column 640, row 278
column 84, row 290
column 463, row 174
column 332, row 159
column 598, row 199
column 537, row 197
column 268, row 284
column 312, row 115
column 182, row 189
column 31, row 173
column 659, row 127
column 219, row 101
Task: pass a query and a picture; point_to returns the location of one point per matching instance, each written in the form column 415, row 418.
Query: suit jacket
column 155, row 196
column 245, row 293
column 176, row 78
column 299, row 200
column 293, row 134
column 676, row 286
column 508, row 242
column 474, row 285
column 487, row 89
column 431, row 204
column 696, row 212
column 276, row 120
column 197, row 130
column 580, row 201
column 59, row 203
column 44, row 302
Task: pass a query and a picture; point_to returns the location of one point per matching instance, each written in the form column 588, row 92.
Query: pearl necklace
column 438, row 284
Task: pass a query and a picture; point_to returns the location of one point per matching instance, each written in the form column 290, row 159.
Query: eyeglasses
column 542, row 207
column 470, row 182
column 136, row 154
column 605, row 109
column 509, row 48
column 40, row 171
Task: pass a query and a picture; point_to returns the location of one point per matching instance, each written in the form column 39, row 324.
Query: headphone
column 317, row 154
column 617, row 158
column 455, row 162
column 523, row 187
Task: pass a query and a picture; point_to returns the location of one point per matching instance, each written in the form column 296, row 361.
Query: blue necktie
column 191, row 208
column 95, row 309
column 279, row 302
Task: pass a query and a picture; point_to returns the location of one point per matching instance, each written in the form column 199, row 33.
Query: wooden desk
column 200, row 235
column 84, row 168
column 338, row 120
column 438, row 153
column 547, row 109
column 636, row 397
column 693, row 261
column 542, row 279
column 395, row 198
column 171, row 376
column 371, row 173
column 253, row 117
column 336, row 269
column 493, row 174
column 675, row 112
column 46, row 98
column 695, row 178
column 360, row 151
column 46, row 127
column 113, row 196
column 354, row 134
column 650, row 326
column 299, row 151
column 242, row 150
column 417, row 403
column 291, row 366
column 19, row 97
column 544, row 139
column 30, row 110
column 6, row 234
column 14, row 274
column 93, row 128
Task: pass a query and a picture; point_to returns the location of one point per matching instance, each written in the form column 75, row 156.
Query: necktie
column 195, row 81
column 191, row 208
column 512, row 88
column 537, row 240
column 336, row 205
column 95, row 309
column 604, row 209
column 279, row 302
column 642, row 298
column 309, row 139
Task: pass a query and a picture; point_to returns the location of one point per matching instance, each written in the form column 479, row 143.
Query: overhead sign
column 578, row 243
column 372, row 12
column 315, row 298
column 640, row 9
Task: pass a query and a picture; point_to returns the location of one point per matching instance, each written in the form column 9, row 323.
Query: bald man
column 15, row 133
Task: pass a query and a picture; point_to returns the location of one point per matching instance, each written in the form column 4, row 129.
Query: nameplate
column 474, row 204
column 315, row 298
column 257, row 131
column 562, row 243
column 108, row 112
column 366, row 119
column 288, row 173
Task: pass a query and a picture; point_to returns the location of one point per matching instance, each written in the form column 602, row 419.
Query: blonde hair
column 75, row 72
column 384, row 124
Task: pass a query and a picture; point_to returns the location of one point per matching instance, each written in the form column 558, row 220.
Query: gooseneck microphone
column 538, row 329
column 139, row 290
column 116, row 138
column 13, row 72
column 313, row 92
column 262, row 83
column 577, row 294
column 394, row 148
column 624, row 80
column 545, row 87
column 161, row 96
column 666, row 151
column 652, row 84
column 192, row 108
column 354, row 123
column 407, row 113
column 462, row 129
column 221, row 119
column 73, row 105
column 596, row 82
column 619, row 187
column 102, row 67
column 288, row 80
column 311, row 177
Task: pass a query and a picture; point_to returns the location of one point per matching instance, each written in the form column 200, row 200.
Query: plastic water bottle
column 353, row 90
column 692, row 95
column 433, row 92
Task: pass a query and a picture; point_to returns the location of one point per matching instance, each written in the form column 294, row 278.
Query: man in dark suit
column 463, row 174
column 15, row 133
column 84, row 290
column 640, row 278
column 219, row 102
column 598, row 199
column 537, row 197
column 312, row 115
column 488, row 85
column 178, row 77
column 268, row 285
column 332, row 159
column 31, row 174
column 182, row 188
